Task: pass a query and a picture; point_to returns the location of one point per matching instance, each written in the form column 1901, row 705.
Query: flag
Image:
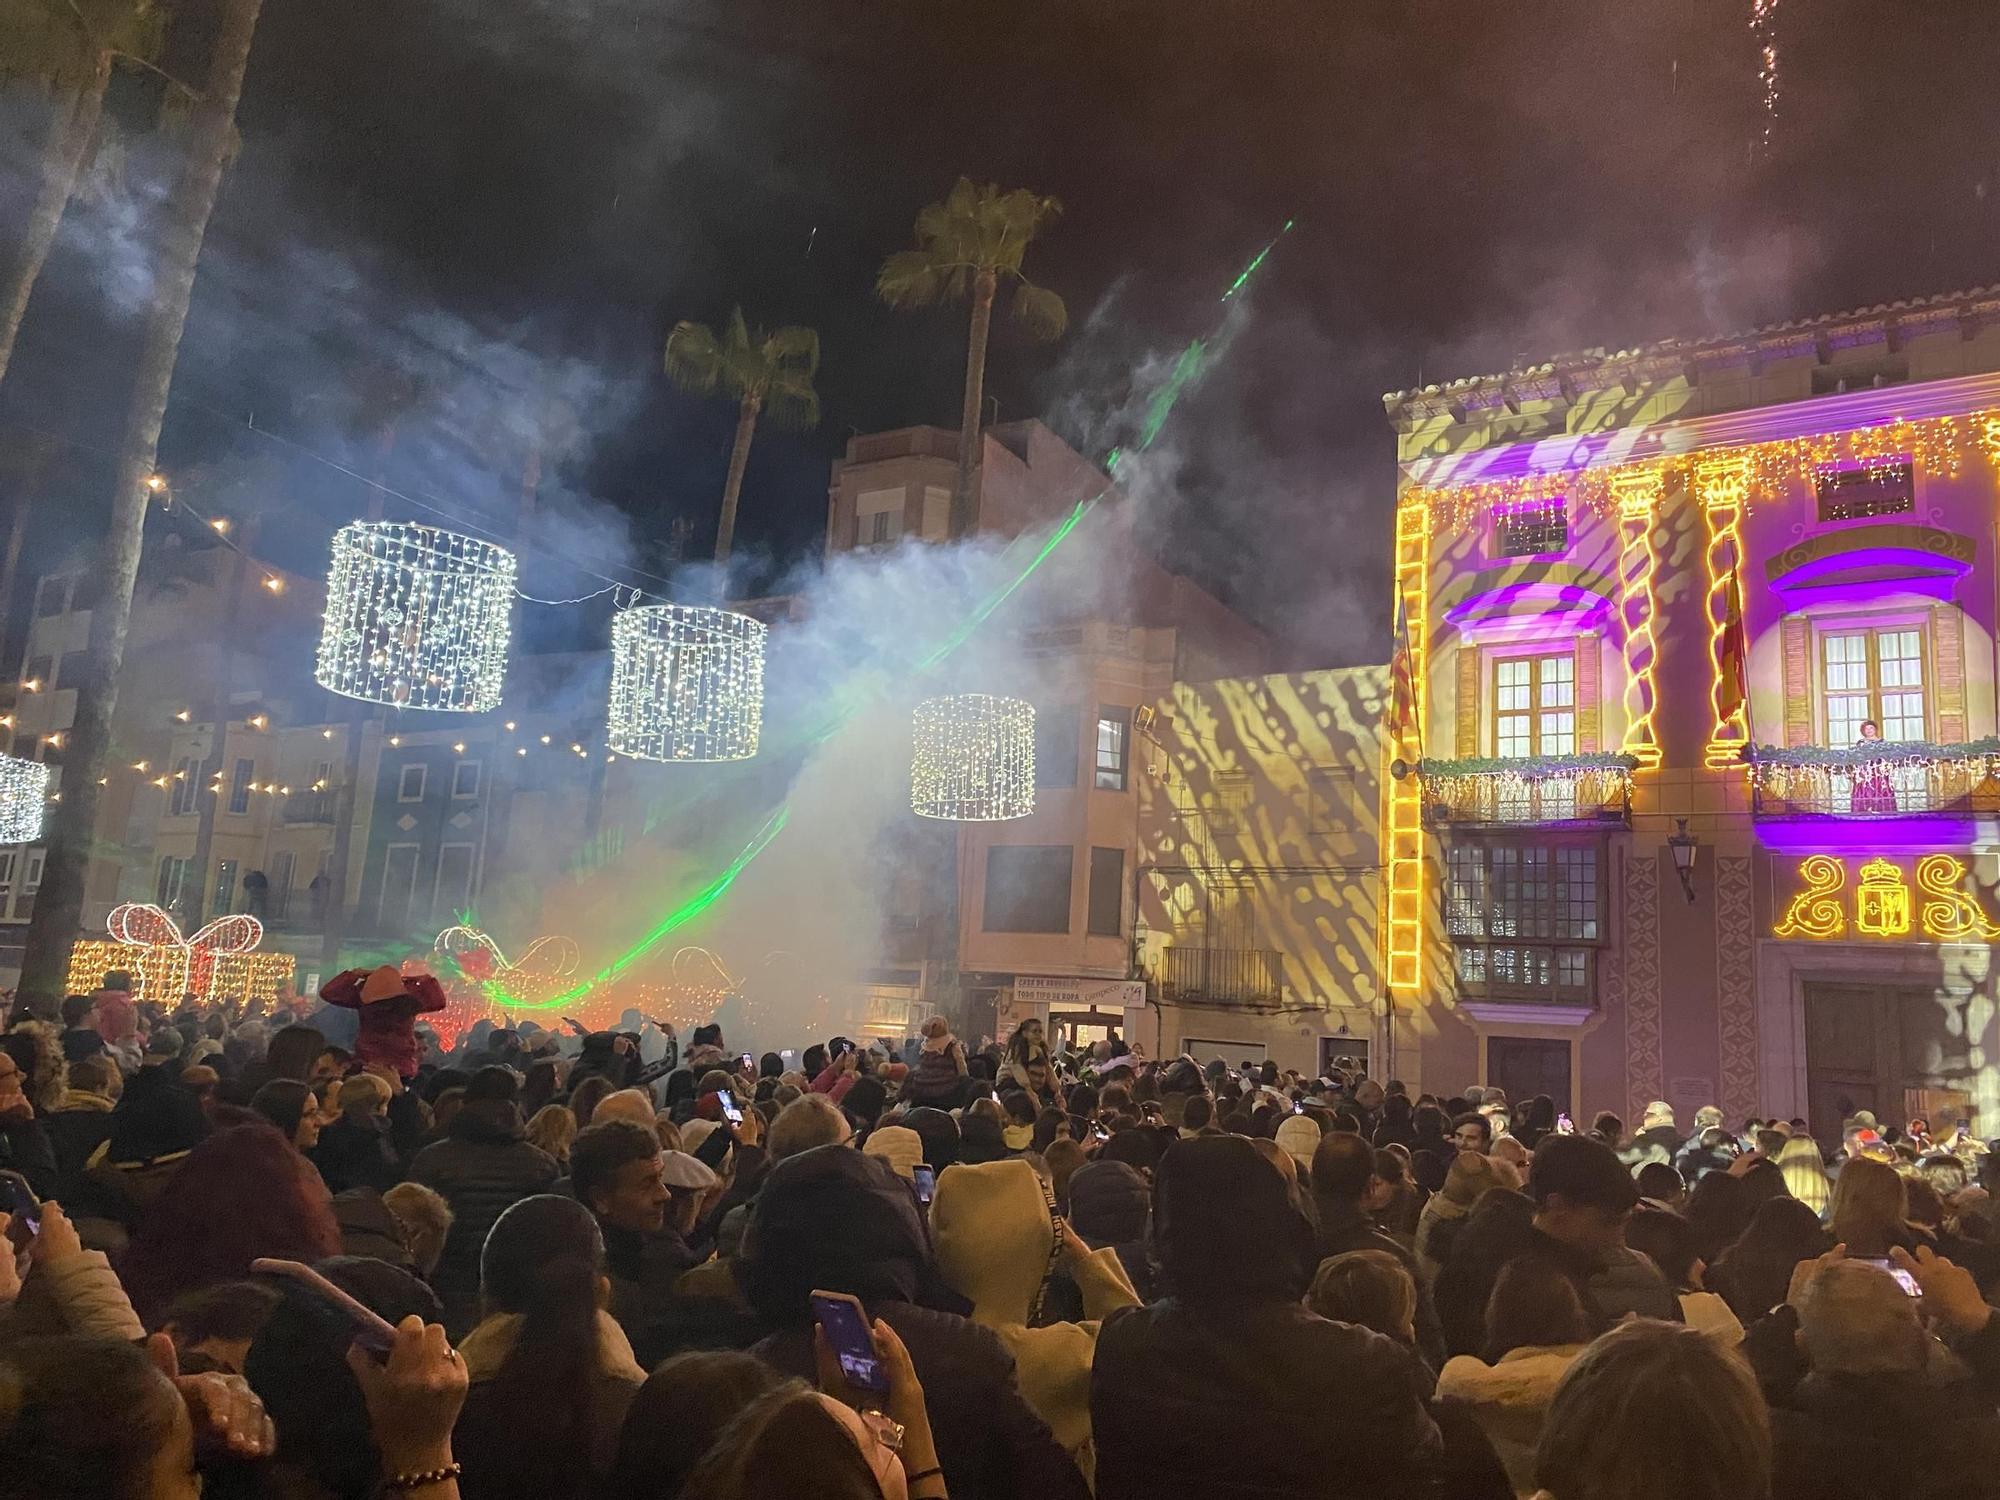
column 1402, row 684
column 1731, row 660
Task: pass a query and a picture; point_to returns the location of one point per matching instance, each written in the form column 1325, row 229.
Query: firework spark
column 1764, row 32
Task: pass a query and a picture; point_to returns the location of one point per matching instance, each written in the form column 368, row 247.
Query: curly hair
column 241, row 1194
column 36, row 1047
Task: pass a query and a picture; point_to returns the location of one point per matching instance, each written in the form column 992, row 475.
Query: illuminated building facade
column 1737, row 592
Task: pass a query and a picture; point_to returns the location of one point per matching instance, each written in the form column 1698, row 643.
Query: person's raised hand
column 10, row 1265
column 413, row 1397
column 1805, row 1270
column 751, row 1131
column 1742, row 1165
column 1951, row 1293
column 229, row 1419
column 58, row 1239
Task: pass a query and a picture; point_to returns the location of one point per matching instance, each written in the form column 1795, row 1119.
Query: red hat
column 353, row 988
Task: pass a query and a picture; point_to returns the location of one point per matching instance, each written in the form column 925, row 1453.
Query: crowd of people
column 250, row 1257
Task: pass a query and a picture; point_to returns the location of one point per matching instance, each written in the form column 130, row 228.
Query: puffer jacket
column 938, row 1079
column 482, row 1168
column 1510, row 1400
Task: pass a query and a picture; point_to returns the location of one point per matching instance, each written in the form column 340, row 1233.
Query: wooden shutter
column 1797, row 638
column 1466, row 716
column 1948, row 668
column 1589, row 662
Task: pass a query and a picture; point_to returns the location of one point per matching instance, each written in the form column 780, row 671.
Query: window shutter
column 1467, row 714
column 1798, row 681
column 1948, row 663
column 1589, row 656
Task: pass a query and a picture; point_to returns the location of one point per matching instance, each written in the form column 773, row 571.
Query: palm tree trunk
column 214, row 765
column 184, row 223
column 739, row 460
column 71, row 131
column 965, row 491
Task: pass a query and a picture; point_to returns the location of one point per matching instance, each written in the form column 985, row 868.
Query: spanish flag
column 1731, row 657
column 1402, row 685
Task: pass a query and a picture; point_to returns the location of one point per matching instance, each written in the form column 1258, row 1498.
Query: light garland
column 24, row 799
column 1404, row 931
column 1831, row 781
column 1639, row 491
column 1882, row 902
column 1948, row 914
column 416, row 617
column 1721, row 483
column 1538, row 789
column 1771, row 470
column 219, row 963
column 687, row 683
column 974, row 760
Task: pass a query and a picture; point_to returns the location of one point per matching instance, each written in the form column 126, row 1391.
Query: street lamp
column 1684, row 845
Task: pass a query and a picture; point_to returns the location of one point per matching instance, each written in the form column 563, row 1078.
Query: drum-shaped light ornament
column 24, row 798
column 687, row 683
column 416, row 617
column 974, row 759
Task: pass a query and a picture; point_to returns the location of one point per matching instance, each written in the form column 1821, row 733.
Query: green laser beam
column 1188, row 370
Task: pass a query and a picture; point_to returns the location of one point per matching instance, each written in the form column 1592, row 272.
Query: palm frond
column 791, row 402
column 912, row 278
column 694, row 359
column 1040, row 311
column 793, row 348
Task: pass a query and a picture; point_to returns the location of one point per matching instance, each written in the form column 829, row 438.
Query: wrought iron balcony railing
column 1877, row 779
column 1221, row 976
column 312, row 807
column 1550, row 790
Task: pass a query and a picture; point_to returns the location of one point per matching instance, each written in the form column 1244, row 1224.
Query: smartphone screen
column 729, row 1110
column 853, row 1344
column 926, row 1181
column 1903, row 1278
column 18, row 1200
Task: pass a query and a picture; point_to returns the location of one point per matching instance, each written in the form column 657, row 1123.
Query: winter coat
column 1629, row 1284
column 643, row 1269
column 1430, row 1245
column 75, row 1131
column 837, row 1219
column 1255, row 1401
column 613, row 1385
column 1884, row 1436
column 367, row 1227
column 71, row 1294
column 938, row 1078
column 355, row 1152
column 1510, row 1400
column 25, row 1148
column 482, row 1169
column 994, row 1239
column 1344, row 1227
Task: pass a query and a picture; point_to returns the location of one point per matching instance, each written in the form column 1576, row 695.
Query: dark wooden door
column 1892, row 1051
column 1526, row 1066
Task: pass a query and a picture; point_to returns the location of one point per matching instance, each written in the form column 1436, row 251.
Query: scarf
column 84, row 1099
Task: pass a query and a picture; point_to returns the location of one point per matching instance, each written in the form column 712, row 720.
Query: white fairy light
column 687, row 683
column 416, row 618
column 24, row 797
column 974, row 759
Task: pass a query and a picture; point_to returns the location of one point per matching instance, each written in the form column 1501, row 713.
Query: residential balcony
column 1545, row 791
column 1221, row 976
column 1879, row 780
column 312, row 807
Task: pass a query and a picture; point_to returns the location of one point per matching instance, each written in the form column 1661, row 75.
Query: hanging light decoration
column 24, row 798
column 416, row 618
column 687, row 683
column 974, row 760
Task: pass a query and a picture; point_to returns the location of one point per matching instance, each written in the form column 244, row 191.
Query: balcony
column 1882, row 780
column 312, row 807
column 1544, row 791
column 1221, row 976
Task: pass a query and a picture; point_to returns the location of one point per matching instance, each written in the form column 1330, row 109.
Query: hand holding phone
column 18, row 1200
column 844, row 1325
column 730, row 1112
column 926, row 1181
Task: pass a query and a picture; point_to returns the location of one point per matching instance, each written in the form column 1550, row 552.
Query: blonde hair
column 363, row 1093
column 1870, row 1207
column 1805, row 1172
column 1367, row 1287
column 425, row 1219
column 553, row 1128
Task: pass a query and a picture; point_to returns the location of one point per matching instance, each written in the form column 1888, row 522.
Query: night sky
column 490, row 204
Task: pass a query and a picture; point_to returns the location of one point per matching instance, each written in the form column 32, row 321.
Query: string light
column 1763, row 31
column 416, row 617
column 687, row 683
column 24, row 798
column 220, row 962
column 1638, row 492
column 1406, row 812
column 974, row 760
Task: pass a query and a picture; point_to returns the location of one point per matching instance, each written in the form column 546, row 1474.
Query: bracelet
column 398, row 1482
column 923, row 1474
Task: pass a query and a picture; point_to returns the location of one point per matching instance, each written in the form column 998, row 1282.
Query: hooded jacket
column 482, row 1168
column 1111, row 1203
column 995, row 1242
column 1230, row 1388
column 832, row 1218
column 1510, row 1400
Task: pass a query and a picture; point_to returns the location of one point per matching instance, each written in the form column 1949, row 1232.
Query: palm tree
column 967, row 245
column 210, row 134
column 769, row 374
column 67, row 47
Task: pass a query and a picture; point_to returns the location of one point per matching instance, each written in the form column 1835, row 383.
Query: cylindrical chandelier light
column 24, row 798
column 974, row 760
column 416, row 618
column 687, row 683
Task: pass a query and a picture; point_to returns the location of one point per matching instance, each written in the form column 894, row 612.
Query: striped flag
column 1402, row 684
column 1731, row 659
